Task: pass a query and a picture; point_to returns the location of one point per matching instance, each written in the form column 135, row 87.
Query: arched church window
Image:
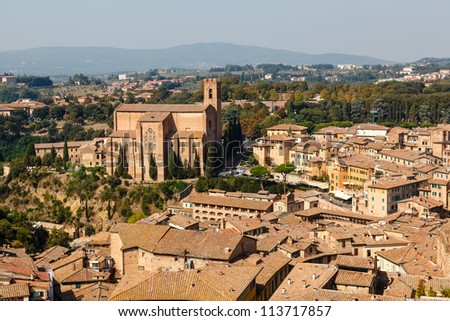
column 150, row 140
column 210, row 93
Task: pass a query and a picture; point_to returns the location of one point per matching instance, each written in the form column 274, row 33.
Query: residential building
column 214, row 208
column 370, row 130
column 87, row 153
column 404, row 157
column 287, row 130
column 382, row 195
column 273, row 150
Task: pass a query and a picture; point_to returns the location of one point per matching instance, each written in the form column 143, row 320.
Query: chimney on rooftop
column 289, row 281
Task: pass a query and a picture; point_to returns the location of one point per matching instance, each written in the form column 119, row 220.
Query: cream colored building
column 273, row 150
column 215, row 208
column 146, row 129
column 287, row 129
column 87, row 153
column 383, row 195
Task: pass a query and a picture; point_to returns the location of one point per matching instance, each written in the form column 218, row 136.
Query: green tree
column 30, row 155
column 58, row 163
column 53, row 154
column 65, row 154
column 285, row 169
column 357, row 111
column 209, row 165
column 136, row 217
column 6, row 231
column 261, row 173
column 121, row 169
column 153, row 171
column 171, row 166
column 57, row 237
column 445, row 292
column 196, row 164
column 202, row 185
column 47, row 159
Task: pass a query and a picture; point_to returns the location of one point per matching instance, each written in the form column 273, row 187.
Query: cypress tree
column 53, row 154
column 30, row 155
column 209, row 165
column 153, row 171
column 120, row 169
column 65, row 154
column 171, row 167
column 196, row 168
column 181, row 170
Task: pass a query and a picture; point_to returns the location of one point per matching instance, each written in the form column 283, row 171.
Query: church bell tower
column 212, row 96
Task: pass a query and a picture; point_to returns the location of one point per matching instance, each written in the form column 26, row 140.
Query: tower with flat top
column 212, row 96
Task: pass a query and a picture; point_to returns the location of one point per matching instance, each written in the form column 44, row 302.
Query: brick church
column 143, row 130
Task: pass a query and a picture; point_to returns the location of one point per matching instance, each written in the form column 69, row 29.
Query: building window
column 210, row 93
column 150, row 141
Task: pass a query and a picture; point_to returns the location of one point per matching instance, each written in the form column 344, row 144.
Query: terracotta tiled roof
column 427, row 202
column 11, row 291
column 102, row 238
column 100, row 291
column 400, row 255
column 52, row 254
column 214, row 283
column 17, row 271
column 408, row 155
column 173, row 108
column 331, row 295
column 359, row 279
column 73, row 144
column 229, row 202
column 36, row 284
column 78, row 255
column 246, row 225
column 287, row 127
column 355, row 261
column 318, row 211
column 145, row 236
column 369, row 127
column 335, row 130
column 393, row 183
column 182, row 220
column 123, row 134
column 208, row 245
column 85, row 275
column 154, row 116
column 398, row 288
column 360, row 161
column 303, row 279
column 437, row 283
column 271, row 263
column 270, row 242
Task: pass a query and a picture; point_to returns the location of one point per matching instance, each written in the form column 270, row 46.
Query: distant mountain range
column 99, row 60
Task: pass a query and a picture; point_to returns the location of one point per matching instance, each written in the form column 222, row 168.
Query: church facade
column 142, row 130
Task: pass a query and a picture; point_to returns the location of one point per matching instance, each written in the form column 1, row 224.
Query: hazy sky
column 398, row 30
